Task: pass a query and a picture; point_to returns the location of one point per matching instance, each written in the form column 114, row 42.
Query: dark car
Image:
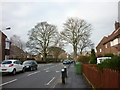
column 66, row 62
column 30, row 65
column 72, row 61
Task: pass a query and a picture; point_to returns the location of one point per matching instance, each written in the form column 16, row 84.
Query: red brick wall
column 2, row 51
column 3, row 46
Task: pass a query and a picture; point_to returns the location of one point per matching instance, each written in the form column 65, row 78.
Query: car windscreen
column 27, row 62
column 6, row 62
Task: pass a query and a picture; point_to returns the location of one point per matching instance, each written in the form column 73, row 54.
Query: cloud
column 23, row 16
column 63, row 1
column 22, row 11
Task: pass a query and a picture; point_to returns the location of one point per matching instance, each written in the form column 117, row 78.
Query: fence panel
column 101, row 79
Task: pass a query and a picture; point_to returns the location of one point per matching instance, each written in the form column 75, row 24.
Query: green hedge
column 109, row 55
column 113, row 63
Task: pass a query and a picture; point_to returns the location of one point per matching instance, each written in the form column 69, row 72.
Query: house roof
column 102, row 41
column 3, row 34
column 111, row 37
column 114, row 35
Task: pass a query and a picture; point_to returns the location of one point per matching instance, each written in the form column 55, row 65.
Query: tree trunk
column 75, row 52
column 44, row 55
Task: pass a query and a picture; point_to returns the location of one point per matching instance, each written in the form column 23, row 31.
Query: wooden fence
column 101, row 79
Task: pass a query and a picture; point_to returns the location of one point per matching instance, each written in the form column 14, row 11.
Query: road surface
column 47, row 76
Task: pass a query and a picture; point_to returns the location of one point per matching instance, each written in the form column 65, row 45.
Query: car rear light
column 11, row 65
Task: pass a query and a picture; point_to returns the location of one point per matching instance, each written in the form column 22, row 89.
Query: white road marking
column 33, row 73
column 57, row 71
column 47, row 71
column 8, row 82
column 50, row 81
column 56, row 82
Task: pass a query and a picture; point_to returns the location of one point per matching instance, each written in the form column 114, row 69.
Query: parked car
column 72, row 61
column 30, row 65
column 66, row 62
column 11, row 66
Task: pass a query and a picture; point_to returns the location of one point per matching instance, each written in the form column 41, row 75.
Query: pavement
column 47, row 76
column 73, row 80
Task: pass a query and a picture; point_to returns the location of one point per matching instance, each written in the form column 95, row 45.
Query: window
column 7, row 42
column 100, row 50
column 106, row 46
column 111, row 43
column 114, row 42
column 6, row 62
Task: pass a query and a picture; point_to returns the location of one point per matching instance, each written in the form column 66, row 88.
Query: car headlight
column 27, row 66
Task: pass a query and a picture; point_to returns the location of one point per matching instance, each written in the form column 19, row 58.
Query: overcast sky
column 21, row 16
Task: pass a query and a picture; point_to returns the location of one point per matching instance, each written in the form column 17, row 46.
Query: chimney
column 117, row 25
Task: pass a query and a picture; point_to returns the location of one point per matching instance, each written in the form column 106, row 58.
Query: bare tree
column 40, row 38
column 58, row 42
column 17, row 47
column 16, row 41
column 74, row 30
column 84, row 43
column 55, row 51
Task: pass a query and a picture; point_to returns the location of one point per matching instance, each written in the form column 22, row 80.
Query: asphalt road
column 46, row 76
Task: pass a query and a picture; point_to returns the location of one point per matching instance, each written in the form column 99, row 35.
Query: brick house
column 4, row 46
column 110, row 44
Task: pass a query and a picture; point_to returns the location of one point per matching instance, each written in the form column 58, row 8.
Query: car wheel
column 23, row 70
column 36, row 68
column 31, row 69
column 14, row 71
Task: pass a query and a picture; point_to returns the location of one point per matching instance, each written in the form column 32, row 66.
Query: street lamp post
column 8, row 28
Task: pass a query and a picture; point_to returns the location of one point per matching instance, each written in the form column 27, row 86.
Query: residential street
column 47, row 76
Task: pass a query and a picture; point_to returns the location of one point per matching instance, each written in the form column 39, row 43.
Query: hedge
column 113, row 63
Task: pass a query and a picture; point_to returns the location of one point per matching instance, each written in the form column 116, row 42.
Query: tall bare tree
column 58, row 42
column 85, row 43
column 40, row 38
column 74, row 30
column 16, row 41
column 17, row 47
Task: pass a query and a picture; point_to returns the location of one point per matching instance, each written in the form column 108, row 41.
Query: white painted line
column 8, row 82
column 57, row 71
column 47, row 71
column 50, row 81
column 33, row 73
column 56, row 82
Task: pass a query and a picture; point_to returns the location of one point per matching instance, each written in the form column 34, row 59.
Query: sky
column 23, row 15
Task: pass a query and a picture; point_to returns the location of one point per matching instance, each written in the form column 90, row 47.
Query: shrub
column 113, row 63
column 84, row 59
column 93, row 58
column 109, row 55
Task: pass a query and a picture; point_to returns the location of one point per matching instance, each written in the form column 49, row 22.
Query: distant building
column 16, row 52
column 4, row 47
column 110, row 44
column 87, row 53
